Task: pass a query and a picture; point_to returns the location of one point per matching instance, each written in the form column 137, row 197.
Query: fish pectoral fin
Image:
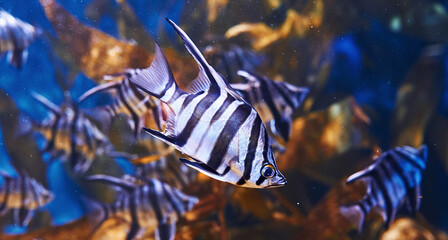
column 202, row 167
column 165, row 231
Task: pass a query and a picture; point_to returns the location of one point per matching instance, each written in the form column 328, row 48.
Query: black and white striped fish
column 211, row 123
column 23, row 195
column 127, row 100
column 393, row 179
column 228, row 60
column 275, row 101
column 169, row 170
column 15, row 37
column 71, row 136
column 147, row 204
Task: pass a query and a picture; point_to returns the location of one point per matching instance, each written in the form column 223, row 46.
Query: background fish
column 394, row 178
column 127, row 100
column 169, row 170
column 147, row 204
column 15, row 37
column 23, row 195
column 275, row 101
column 211, row 123
column 71, row 136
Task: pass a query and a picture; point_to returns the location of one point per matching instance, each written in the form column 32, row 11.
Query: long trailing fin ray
column 99, row 88
column 215, row 78
column 157, row 78
column 202, row 167
column 161, row 136
column 46, row 103
column 202, row 63
column 126, row 185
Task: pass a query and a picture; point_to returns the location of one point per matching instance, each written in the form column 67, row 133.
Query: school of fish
column 228, row 131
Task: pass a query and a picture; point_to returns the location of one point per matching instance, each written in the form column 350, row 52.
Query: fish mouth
column 280, row 183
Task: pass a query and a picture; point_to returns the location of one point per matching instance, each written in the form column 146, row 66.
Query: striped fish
column 211, row 123
column 15, row 37
column 229, row 59
column 274, row 101
column 23, row 195
column 147, row 204
column 127, row 100
column 71, row 136
column 169, row 170
column 394, row 178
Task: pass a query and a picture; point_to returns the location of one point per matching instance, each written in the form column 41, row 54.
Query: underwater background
column 377, row 74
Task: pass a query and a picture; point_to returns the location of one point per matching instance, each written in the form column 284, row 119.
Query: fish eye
column 268, row 171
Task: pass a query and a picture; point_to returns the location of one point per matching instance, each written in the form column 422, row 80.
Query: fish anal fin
column 204, row 168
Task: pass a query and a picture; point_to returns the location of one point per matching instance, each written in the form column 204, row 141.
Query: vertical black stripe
column 174, row 202
column 251, row 150
column 267, row 98
column 393, row 161
column 134, row 115
column 286, row 96
column 383, row 190
column 54, row 130
column 153, row 198
column 4, row 205
column 261, row 179
column 229, row 131
column 198, row 111
column 411, row 159
column 229, row 99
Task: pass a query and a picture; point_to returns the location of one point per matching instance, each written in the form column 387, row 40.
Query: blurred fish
column 23, row 195
column 231, row 59
column 146, row 204
column 211, row 123
column 127, row 100
column 70, row 135
column 274, row 101
column 169, row 170
column 15, row 37
column 394, row 178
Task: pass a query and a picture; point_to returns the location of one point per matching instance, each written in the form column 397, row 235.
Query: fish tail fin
column 355, row 214
column 157, row 80
column 17, row 57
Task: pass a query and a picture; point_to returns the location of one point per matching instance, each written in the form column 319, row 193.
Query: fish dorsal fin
column 99, row 88
column 47, row 104
column 207, row 71
column 361, row 173
column 248, row 76
column 118, row 182
column 199, row 84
